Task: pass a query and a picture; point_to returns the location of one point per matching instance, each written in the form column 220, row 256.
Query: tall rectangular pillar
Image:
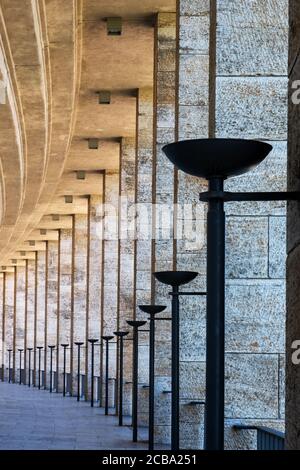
column 79, row 293
column 51, row 299
column 64, row 302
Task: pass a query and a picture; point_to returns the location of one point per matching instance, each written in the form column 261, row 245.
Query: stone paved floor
column 37, row 420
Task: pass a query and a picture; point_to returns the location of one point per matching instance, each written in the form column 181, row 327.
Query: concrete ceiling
column 55, row 56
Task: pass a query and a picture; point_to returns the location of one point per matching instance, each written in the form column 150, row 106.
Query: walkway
column 37, row 420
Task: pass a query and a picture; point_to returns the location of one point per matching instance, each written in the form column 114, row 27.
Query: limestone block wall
column 293, row 242
column 51, row 300
column 9, row 317
column 251, row 102
column 95, row 272
column 78, row 325
column 20, row 314
column 64, row 300
column 193, row 116
column 2, row 320
column 127, row 251
column 109, row 314
column 40, row 309
column 164, row 194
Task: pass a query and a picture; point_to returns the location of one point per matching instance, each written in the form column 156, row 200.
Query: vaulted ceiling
column 55, row 56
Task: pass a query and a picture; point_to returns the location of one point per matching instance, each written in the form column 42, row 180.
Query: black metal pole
column 64, row 369
column 29, row 367
column 51, row 368
column 92, row 341
column 120, row 335
column 152, row 310
column 106, row 339
column 78, row 344
column 39, row 372
column 20, row 356
column 135, row 367
column 214, row 409
column 175, row 371
column 9, row 364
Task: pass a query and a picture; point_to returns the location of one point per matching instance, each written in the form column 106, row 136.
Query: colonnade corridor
column 149, row 226
column 34, row 420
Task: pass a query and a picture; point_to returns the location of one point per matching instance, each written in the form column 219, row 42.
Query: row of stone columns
column 91, row 279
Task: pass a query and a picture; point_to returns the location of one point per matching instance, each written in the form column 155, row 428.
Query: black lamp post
column 29, row 366
column 92, row 342
column 106, row 339
column 51, row 367
column 217, row 160
column 120, row 335
column 64, row 370
column 9, row 364
column 152, row 310
column 135, row 372
column 175, row 279
column 78, row 344
column 39, row 348
column 20, row 362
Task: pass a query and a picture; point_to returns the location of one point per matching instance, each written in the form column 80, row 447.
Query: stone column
column 64, row 301
column 2, row 302
column 9, row 317
column 251, row 102
column 20, row 313
column 164, row 196
column 127, row 253
column 79, row 294
column 193, row 119
column 51, row 299
column 40, row 301
column 292, row 415
column 30, row 311
column 95, row 274
column 109, row 322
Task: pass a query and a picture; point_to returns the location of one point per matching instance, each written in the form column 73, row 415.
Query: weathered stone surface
column 192, row 380
column 251, row 386
column 194, row 8
column 193, row 122
column 247, row 247
column 236, row 439
column 264, row 99
column 277, row 247
column 194, row 34
column 244, row 33
column 254, row 308
column 269, row 175
column 193, row 73
column 294, row 23
column 292, row 334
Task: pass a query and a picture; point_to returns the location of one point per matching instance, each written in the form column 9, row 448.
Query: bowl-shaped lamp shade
column 107, row 338
column 120, row 334
column 175, row 278
column 152, row 309
column 136, row 323
column 216, row 158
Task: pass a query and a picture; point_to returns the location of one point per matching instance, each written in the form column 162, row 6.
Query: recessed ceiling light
column 114, row 26
column 68, row 199
column 80, row 175
column 93, row 143
column 104, row 97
